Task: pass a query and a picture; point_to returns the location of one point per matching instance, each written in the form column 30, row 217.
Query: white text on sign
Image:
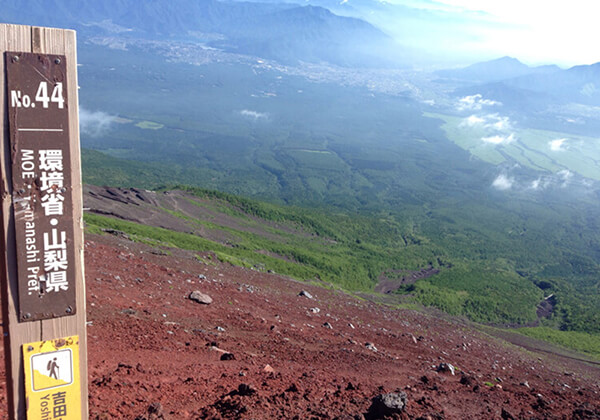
column 20, row 100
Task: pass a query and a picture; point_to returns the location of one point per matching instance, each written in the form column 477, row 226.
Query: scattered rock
column 328, row 325
column 446, row 367
column 432, row 416
column 350, row 325
column 541, row 403
column 586, row 412
column 154, row 412
column 268, row 369
column 200, row 297
column 507, row 415
column 201, row 276
column 118, row 233
column 158, row 252
column 305, row 294
column 351, row 387
column 292, row 388
column 467, row 379
column 227, row 356
column 371, row 346
column 387, row 405
column 220, row 329
column 245, row 390
column 315, row 310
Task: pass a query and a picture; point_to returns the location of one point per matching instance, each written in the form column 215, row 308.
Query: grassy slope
column 350, row 252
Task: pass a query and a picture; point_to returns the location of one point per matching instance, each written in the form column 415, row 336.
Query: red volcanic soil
column 154, row 353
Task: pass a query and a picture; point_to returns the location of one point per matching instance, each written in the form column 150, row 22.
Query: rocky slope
column 263, row 350
column 266, row 346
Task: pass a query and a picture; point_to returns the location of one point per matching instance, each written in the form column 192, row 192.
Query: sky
column 534, row 31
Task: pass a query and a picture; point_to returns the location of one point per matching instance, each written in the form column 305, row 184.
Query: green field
column 531, row 147
column 149, row 125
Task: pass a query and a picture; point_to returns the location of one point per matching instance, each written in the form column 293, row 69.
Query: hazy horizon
column 462, row 32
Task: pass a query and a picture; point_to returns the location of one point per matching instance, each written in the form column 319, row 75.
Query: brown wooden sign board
column 41, row 181
column 42, row 280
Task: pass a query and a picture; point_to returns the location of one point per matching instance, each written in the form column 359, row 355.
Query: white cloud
column 492, row 121
column 560, row 179
column 503, row 182
column 499, row 123
column 557, row 145
column 254, row 115
column 475, row 102
column 94, row 123
column 565, row 175
column 499, row 139
column 489, row 102
column 542, row 183
column 472, row 121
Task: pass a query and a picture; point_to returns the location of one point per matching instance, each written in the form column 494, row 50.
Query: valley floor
column 154, row 353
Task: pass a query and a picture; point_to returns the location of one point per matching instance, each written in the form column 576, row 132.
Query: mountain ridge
column 286, row 32
column 496, row 70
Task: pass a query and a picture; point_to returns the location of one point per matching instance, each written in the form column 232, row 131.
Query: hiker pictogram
column 53, row 368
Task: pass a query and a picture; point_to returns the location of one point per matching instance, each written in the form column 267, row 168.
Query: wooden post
column 46, row 327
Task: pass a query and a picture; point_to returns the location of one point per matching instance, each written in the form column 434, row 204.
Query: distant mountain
column 580, row 84
column 538, row 90
column 285, row 32
column 511, row 97
column 495, row 70
column 312, row 33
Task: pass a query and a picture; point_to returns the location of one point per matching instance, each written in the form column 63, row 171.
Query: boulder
column 446, row 367
column 200, row 297
column 305, row 294
column 387, row 405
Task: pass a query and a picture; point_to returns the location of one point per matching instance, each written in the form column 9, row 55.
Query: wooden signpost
column 43, row 289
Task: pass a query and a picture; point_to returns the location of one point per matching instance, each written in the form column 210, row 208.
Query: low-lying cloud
column 565, row 175
column 499, row 139
column 503, row 182
column 557, row 145
column 498, row 128
column 560, row 179
column 475, row 102
column 472, row 121
column 498, row 122
column 489, row 121
column 94, row 123
column 254, row 115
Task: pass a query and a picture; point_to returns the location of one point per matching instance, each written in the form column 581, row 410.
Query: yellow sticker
column 52, row 385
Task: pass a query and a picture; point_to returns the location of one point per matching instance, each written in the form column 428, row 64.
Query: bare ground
column 149, row 344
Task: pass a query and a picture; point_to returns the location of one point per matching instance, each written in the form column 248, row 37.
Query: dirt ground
column 260, row 350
